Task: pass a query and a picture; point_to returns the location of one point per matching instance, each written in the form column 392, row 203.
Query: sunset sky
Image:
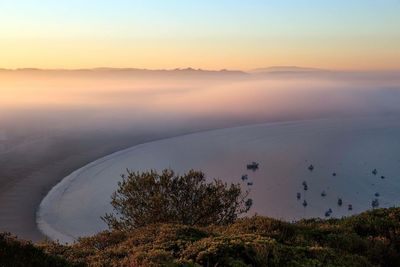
column 210, row 34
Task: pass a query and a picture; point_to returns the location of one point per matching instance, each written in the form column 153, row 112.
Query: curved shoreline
column 271, row 131
column 44, row 226
column 46, row 229
column 31, row 171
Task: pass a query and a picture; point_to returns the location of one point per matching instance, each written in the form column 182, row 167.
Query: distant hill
column 274, row 71
column 130, row 72
column 287, row 69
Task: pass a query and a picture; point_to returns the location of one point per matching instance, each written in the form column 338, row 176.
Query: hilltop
column 368, row 239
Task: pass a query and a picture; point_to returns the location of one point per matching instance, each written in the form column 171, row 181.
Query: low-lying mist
column 39, row 102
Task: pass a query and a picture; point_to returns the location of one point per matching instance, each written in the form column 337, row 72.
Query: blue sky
column 296, row 26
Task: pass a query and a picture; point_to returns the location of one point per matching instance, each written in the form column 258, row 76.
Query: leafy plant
column 149, row 197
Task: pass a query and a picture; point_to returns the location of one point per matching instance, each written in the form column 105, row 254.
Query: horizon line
column 277, row 68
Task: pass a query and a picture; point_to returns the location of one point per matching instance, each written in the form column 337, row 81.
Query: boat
column 253, row 166
column 328, row 213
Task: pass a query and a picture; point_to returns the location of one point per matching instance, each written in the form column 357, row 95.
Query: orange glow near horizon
column 225, row 54
column 155, row 34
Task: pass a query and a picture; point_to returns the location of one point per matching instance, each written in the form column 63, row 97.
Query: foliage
column 149, row 197
column 14, row 252
column 368, row 239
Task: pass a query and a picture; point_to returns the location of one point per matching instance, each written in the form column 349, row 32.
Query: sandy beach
column 29, row 170
column 351, row 148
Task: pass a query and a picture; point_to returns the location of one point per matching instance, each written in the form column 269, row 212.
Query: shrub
column 149, row 197
column 367, row 239
column 14, row 252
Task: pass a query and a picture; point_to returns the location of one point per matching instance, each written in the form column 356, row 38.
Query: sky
column 208, row 34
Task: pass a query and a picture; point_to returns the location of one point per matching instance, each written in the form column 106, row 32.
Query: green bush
column 149, row 197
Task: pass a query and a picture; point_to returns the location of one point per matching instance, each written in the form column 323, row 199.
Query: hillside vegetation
column 369, row 239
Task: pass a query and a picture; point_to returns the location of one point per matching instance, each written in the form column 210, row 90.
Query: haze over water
column 114, row 100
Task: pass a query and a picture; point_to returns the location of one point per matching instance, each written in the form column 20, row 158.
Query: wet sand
column 31, row 169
